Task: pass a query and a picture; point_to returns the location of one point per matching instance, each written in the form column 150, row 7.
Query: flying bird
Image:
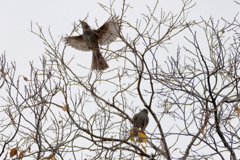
column 91, row 39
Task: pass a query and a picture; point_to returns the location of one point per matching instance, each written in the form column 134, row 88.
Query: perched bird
column 140, row 120
column 91, row 39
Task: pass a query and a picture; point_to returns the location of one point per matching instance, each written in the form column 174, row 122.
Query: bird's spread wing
column 76, row 42
column 109, row 31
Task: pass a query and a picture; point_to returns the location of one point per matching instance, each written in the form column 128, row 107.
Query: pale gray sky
column 22, row 46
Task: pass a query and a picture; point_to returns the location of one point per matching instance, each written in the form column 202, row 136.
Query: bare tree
column 203, row 93
column 66, row 110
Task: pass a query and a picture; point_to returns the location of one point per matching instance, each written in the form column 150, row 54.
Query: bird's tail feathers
column 98, row 61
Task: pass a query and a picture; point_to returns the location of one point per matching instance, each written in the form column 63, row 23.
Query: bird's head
column 85, row 26
column 145, row 111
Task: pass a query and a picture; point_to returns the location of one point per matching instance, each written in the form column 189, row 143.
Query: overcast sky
column 22, row 46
